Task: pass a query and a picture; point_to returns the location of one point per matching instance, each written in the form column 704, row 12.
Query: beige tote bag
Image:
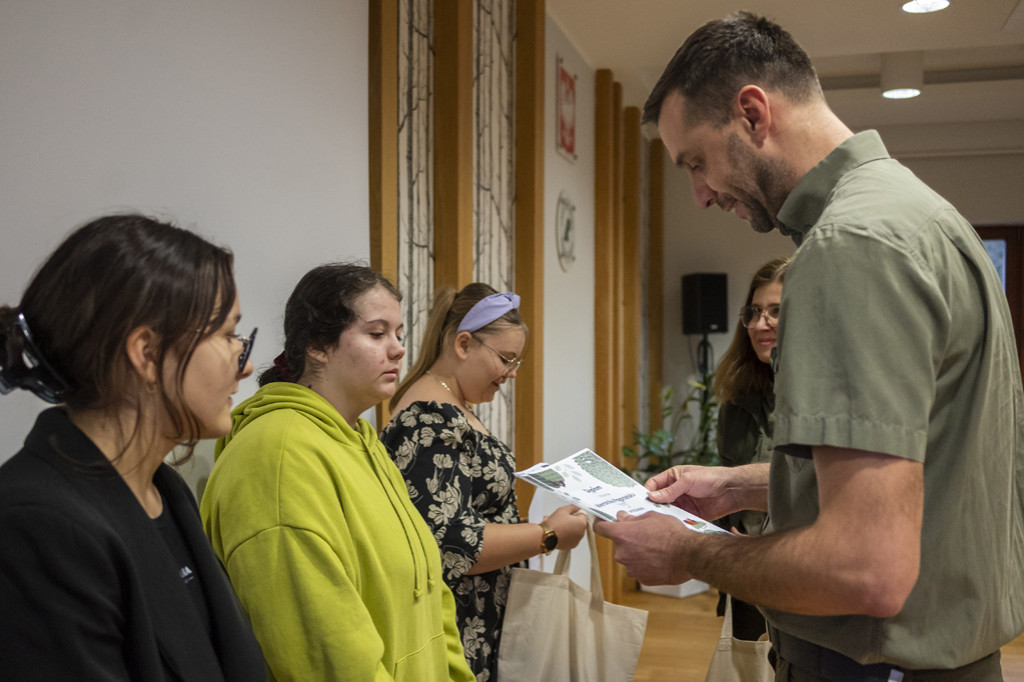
column 556, row 631
column 739, row 660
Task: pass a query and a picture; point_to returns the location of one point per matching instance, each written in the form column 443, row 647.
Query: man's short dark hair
column 724, row 55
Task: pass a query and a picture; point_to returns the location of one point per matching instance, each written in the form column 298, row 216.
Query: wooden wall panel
column 453, row 143
column 383, row 162
column 633, row 271
column 604, row 263
column 655, row 274
column 383, row 125
column 529, row 240
column 618, row 323
column 606, row 196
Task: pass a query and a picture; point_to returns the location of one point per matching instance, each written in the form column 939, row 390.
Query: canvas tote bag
column 556, row 631
column 739, row 660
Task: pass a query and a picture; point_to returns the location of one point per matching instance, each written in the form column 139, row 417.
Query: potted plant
column 655, row 451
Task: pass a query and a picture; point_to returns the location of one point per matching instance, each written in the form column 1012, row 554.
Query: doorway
column 1005, row 245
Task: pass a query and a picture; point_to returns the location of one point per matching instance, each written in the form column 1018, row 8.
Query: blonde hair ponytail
column 430, row 345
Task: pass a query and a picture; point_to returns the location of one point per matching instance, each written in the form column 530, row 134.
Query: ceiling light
column 902, row 74
column 925, row 6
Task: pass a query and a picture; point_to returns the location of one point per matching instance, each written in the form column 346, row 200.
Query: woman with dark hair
column 337, row 570
column 129, row 327
column 744, row 386
column 461, row 476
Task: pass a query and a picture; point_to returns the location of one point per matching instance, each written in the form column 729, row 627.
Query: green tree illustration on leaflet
column 603, row 471
column 549, row 478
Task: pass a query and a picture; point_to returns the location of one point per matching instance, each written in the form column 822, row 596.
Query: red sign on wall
column 566, row 112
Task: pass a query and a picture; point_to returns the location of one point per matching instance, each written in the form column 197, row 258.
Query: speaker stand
column 704, row 356
column 704, row 360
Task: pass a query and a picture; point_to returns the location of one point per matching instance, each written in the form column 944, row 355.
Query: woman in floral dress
column 459, row 475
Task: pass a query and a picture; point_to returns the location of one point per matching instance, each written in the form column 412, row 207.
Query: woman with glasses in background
column 129, row 328
column 460, row 476
column 744, row 386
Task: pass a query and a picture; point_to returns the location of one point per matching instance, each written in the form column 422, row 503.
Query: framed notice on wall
column 565, row 111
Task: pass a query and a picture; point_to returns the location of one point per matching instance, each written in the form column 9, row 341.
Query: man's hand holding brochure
column 597, row 486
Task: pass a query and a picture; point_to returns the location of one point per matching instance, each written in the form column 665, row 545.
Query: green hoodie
column 335, row 566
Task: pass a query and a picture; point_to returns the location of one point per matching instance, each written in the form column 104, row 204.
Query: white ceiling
column 973, row 50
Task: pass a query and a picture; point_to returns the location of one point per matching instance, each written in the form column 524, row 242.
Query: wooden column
column 453, row 143
column 529, row 236
column 618, row 326
column 383, row 114
column 604, row 264
column 606, row 197
column 655, row 285
column 632, row 285
column 383, row 162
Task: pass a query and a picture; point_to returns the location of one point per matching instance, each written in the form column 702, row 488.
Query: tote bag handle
column 557, row 631
column 562, row 565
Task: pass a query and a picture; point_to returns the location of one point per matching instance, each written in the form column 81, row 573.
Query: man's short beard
column 770, row 177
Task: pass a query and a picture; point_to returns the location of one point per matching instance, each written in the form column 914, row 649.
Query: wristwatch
column 550, row 539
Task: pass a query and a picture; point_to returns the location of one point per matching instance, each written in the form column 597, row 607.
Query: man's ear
column 143, row 350
column 462, row 344
column 753, row 108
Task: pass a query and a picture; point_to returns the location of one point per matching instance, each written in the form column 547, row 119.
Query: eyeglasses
column 246, row 342
column 750, row 315
column 511, row 364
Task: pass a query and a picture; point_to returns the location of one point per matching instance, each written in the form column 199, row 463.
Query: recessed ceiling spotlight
column 925, row 6
column 901, row 93
column 902, row 74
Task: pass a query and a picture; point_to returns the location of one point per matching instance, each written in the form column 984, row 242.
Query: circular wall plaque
column 565, row 232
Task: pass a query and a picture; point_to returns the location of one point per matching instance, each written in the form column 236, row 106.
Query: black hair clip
column 26, row 368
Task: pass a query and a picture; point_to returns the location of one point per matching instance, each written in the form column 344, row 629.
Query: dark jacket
column 745, row 436
column 89, row 589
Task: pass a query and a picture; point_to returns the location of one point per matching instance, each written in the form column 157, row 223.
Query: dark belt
column 834, row 666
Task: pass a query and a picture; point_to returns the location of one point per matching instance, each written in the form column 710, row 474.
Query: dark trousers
column 797, row 660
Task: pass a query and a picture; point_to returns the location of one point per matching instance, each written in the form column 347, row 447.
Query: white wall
column 978, row 167
column 965, row 163
column 699, row 240
column 244, row 120
column 568, row 296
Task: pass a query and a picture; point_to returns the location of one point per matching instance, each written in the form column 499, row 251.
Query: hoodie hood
column 282, row 395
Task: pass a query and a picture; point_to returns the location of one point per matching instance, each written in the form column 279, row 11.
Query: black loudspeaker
column 704, row 303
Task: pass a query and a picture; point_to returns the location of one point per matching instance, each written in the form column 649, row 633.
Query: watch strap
column 548, row 541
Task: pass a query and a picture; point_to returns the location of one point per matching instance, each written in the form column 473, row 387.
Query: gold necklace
column 462, row 403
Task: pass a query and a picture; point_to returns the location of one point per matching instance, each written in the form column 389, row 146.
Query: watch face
column 550, row 541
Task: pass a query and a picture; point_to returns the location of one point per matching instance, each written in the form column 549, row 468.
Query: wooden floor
column 682, row 633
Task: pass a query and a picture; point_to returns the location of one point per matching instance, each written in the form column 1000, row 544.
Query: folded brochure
column 596, row 485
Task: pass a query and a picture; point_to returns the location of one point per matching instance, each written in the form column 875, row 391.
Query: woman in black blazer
column 130, row 328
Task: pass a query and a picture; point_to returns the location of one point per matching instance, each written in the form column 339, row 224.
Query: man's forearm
column 860, row 556
column 751, row 486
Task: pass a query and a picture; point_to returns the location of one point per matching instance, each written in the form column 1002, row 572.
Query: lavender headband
column 487, row 310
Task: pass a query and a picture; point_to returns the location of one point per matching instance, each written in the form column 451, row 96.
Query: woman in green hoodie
column 339, row 573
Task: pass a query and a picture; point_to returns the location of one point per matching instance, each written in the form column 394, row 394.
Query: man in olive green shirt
column 896, row 491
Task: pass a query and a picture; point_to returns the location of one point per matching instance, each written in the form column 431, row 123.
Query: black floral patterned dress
column 460, row 479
